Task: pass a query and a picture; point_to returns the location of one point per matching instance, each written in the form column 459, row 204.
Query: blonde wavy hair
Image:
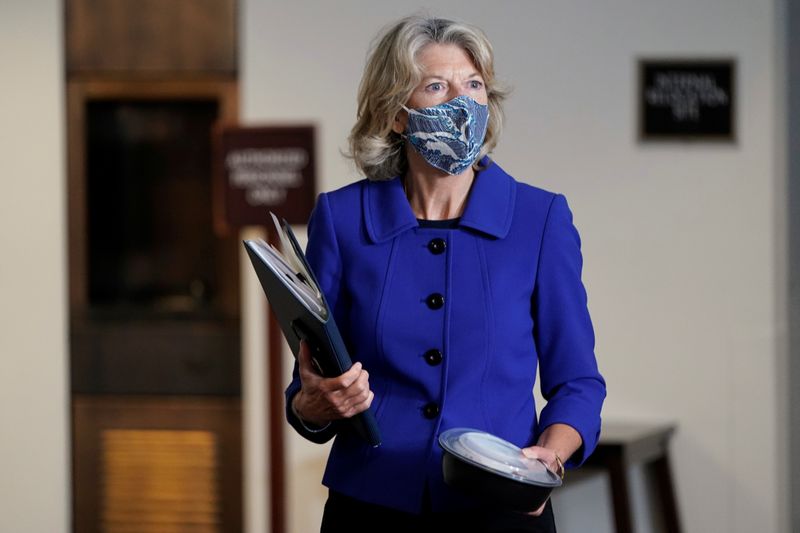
column 391, row 75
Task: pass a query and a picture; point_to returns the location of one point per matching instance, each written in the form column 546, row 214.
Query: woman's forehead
column 445, row 59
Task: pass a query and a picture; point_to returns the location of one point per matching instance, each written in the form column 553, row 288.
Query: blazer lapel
column 489, row 208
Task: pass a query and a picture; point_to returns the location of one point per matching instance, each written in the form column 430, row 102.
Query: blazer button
column 437, row 246
column 435, row 300
column 433, row 357
column 431, row 411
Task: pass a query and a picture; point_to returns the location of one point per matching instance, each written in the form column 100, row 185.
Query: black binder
column 298, row 321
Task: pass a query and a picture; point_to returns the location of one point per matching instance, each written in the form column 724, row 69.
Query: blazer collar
column 489, row 208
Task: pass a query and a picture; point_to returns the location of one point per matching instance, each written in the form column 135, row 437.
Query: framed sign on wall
column 263, row 169
column 687, row 99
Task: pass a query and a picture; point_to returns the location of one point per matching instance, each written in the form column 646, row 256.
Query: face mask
column 450, row 135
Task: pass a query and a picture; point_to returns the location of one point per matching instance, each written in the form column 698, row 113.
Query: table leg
column 663, row 473
column 620, row 494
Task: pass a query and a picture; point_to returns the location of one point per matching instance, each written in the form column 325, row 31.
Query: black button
column 431, row 410
column 435, row 300
column 433, row 357
column 437, row 246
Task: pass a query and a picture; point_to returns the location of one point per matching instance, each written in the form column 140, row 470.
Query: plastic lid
column 496, row 455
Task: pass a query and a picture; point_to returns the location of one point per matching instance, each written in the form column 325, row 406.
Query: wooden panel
column 77, row 196
column 151, row 36
column 159, row 480
column 157, row 464
column 129, row 356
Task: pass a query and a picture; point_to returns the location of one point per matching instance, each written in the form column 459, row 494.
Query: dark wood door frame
column 275, row 416
column 79, row 92
column 792, row 29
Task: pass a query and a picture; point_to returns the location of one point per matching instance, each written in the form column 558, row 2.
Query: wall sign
column 263, row 169
column 686, row 99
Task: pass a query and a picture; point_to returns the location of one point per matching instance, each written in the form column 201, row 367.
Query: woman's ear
column 399, row 124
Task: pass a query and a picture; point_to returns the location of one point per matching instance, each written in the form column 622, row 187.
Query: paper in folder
column 303, row 313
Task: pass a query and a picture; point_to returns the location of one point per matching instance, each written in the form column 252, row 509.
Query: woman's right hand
column 322, row 400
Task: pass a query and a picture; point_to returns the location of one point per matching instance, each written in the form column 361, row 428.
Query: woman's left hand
column 556, row 441
column 548, row 457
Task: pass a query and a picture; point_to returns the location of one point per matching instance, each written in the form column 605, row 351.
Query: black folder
column 301, row 319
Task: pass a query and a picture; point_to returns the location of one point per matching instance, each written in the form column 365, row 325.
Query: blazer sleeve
column 570, row 380
column 323, row 256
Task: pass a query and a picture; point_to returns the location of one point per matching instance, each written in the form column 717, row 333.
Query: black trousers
column 347, row 515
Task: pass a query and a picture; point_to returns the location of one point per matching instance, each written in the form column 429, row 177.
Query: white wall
column 34, row 459
column 684, row 261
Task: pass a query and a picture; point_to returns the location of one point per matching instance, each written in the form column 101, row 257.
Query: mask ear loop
column 402, row 133
column 410, row 111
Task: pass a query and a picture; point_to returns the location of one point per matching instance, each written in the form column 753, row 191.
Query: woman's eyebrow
column 443, row 77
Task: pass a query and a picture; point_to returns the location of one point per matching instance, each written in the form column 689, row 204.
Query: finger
column 304, row 354
column 305, row 365
column 545, row 456
column 345, row 380
column 360, row 406
column 344, row 399
column 539, row 452
column 361, row 384
column 532, row 452
column 355, row 394
column 539, row 511
column 367, row 404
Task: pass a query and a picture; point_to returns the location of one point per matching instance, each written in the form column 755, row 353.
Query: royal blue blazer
column 508, row 279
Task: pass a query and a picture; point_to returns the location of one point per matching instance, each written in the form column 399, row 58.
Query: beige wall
column 34, row 493
column 683, row 242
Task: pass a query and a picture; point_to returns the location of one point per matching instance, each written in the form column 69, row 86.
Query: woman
column 450, row 282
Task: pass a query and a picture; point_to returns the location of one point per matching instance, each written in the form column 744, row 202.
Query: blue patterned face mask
column 450, row 135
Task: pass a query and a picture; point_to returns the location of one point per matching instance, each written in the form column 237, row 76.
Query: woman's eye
column 435, row 86
column 475, row 84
